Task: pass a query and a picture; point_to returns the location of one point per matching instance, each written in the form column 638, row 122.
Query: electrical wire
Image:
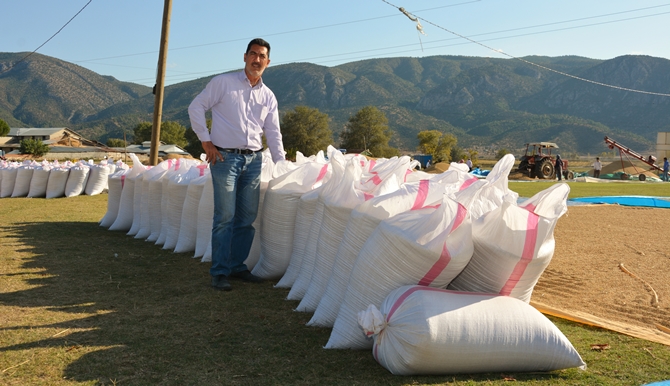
column 47, row 41
column 529, row 62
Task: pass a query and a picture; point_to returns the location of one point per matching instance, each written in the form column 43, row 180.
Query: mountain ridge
column 485, row 102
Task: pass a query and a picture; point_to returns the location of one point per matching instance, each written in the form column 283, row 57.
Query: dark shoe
column 247, row 276
column 220, row 282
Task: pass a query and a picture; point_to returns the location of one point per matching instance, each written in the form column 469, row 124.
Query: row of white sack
column 171, row 204
column 54, row 179
column 338, row 255
column 387, row 254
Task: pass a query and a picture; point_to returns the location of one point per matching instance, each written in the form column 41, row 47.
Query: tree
column 194, row 147
column 437, row 144
column 116, row 142
column 368, row 130
column 35, row 147
column 171, row 133
column 4, row 128
column 305, row 130
column 501, row 153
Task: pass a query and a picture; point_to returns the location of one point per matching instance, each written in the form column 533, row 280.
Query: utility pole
column 160, row 84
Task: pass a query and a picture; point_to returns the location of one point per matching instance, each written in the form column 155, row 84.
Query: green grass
column 584, row 189
column 80, row 305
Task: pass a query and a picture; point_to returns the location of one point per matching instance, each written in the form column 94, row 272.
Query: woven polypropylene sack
column 188, row 225
column 205, row 219
column 57, row 180
column 8, row 181
column 115, row 186
column 137, row 204
column 427, row 247
column 76, row 180
column 513, row 245
column 22, row 183
column 362, row 222
column 280, row 207
column 303, row 221
column 38, row 184
column 177, row 192
column 126, row 213
column 338, row 207
column 97, row 179
column 420, row 330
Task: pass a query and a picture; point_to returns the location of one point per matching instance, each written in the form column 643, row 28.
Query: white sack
column 427, row 247
column 280, row 207
column 428, row 331
column 303, row 221
column 76, row 180
column 338, row 207
column 188, row 224
column 362, row 222
column 57, row 180
column 301, row 283
column 115, row 185
column 205, row 221
column 513, row 245
column 126, row 212
column 267, row 169
column 22, row 183
column 138, row 184
column 177, row 191
column 8, row 181
column 97, row 179
column 38, row 184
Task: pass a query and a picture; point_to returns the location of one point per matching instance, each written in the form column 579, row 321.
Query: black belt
column 237, row 151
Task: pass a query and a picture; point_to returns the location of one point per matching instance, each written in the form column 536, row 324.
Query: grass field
column 80, row 305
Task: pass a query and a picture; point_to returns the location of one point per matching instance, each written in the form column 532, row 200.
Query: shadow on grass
column 150, row 317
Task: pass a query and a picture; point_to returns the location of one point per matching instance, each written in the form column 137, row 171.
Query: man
column 666, row 168
column 597, row 167
column 558, row 166
column 469, row 163
column 243, row 109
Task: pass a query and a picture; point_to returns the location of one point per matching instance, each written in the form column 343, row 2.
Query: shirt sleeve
column 273, row 132
column 196, row 111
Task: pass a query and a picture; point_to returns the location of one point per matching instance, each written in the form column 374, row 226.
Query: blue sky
column 121, row 37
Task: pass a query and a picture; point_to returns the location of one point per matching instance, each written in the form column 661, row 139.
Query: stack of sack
column 420, row 268
column 53, row 179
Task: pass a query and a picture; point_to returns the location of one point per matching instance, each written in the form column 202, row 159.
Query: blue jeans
column 236, row 181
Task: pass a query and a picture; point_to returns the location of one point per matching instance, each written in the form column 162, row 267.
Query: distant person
column 427, row 164
column 666, row 167
column 597, row 167
column 558, row 166
column 243, row 110
column 469, row 163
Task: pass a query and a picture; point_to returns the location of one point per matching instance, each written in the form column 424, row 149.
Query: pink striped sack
column 422, row 330
column 427, row 247
column 513, row 245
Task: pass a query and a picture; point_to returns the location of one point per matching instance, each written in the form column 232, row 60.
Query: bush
column 35, row 147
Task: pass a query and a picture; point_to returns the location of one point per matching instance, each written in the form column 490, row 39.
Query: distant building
column 68, row 144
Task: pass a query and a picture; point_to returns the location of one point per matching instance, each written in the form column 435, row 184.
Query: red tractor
column 538, row 162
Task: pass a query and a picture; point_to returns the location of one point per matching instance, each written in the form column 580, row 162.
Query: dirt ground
column 586, row 275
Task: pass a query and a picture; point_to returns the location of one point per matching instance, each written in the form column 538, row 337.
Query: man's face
column 256, row 61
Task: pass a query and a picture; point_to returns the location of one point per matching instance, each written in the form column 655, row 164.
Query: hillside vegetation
column 485, row 102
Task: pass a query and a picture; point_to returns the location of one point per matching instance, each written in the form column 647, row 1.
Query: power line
column 529, row 62
column 427, row 43
column 47, row 41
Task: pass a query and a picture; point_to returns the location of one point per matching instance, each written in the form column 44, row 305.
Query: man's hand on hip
column 212, row 152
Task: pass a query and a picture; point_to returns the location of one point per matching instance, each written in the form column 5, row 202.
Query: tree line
column 306, row 130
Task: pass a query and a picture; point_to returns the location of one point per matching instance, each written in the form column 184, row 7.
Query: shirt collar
column 243, row 78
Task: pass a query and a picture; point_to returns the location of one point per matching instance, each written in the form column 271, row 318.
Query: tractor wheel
column 570, row 175
column 642, row 177
column 545, row 170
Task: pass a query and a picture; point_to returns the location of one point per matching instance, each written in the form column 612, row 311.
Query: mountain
column 485, row 102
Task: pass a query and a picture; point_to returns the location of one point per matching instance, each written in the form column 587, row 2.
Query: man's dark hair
column 259, row 42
